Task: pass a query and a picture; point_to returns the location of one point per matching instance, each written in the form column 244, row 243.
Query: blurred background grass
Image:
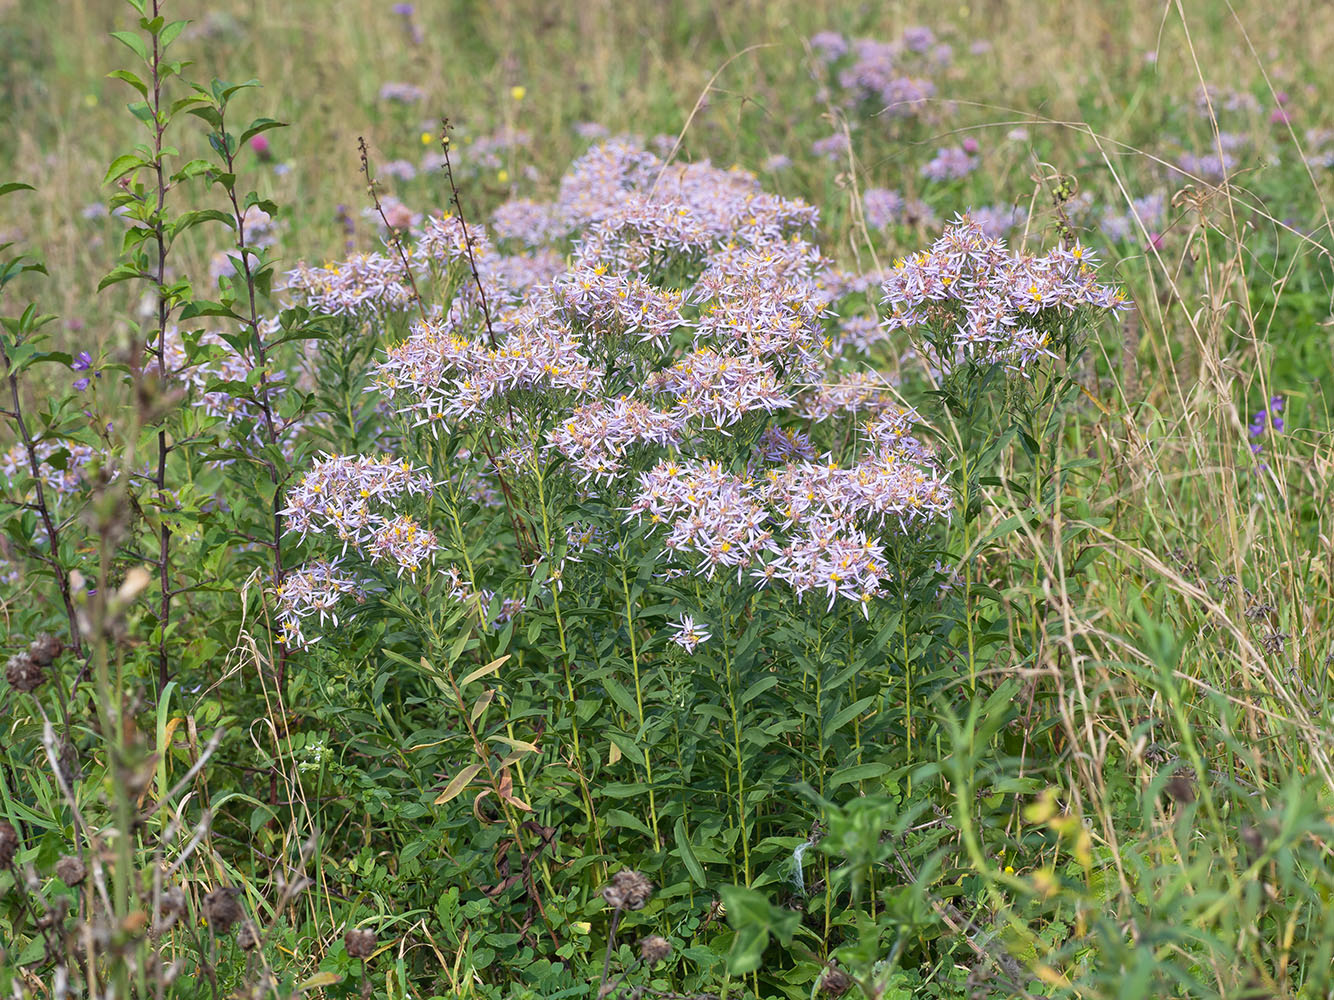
column 636, row 67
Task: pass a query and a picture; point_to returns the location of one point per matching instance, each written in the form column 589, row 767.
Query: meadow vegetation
column 677, row 501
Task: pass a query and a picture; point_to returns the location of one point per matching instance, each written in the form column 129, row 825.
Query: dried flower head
column 1181, row 787
column 247, row 938
column 44, row 649
column 222, row 910
column 359, row 943
column 627, row 890
column 835, row 982
column 654, row 949
column 71, row 870
column 24, row 673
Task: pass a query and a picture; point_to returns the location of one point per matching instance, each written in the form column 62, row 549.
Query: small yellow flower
column 427, row 138
column 1009, row 869
column 518, row 93
column 503, row 176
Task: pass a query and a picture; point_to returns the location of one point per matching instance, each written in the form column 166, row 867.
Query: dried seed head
column 24, row 673
column 45, row 648
column 627, row 890
column 835, row 982
column 654, row 949
column 173, row 900
column 1258, row 836
column 9, row 843
column 247, row 938
column 359, row 943
column 1181, row 788
column 221, row 909
column 170, row 909
column 71, row 870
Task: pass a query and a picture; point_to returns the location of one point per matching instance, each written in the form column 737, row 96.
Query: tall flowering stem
column 516, row 522
column 252, row 267
column 163, row 312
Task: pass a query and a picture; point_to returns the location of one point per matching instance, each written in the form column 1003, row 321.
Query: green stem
column 639, row 696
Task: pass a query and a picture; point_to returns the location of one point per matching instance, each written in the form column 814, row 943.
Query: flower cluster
column 60, row 465
column 805, row 524
column 987, row 305
column 889, row 77
column 883, row 208
column 315, row 589
column 597, row 437
column 688, row 635
column 1148, row 212
column 362, row 284
column 949, row 163
column 668, row 338
column 349, row 498
column 395, row 92
column 1270, row 419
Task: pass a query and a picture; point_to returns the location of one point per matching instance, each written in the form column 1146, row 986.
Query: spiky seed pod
column 24, row 673
column 71, row 870
column 247, row 938
column 9, row 843
column 359, row 943
column 627, row 890
column 45, row 648
column 221, row 909
column 835, row 982
column 654, row 949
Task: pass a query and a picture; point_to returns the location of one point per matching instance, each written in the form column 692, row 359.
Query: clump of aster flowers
column 349, row 502
column 980, row 303
column 666, row 341
column 892, row 78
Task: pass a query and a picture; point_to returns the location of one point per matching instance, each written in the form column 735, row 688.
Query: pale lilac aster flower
column 688, row 635
column 829, row 45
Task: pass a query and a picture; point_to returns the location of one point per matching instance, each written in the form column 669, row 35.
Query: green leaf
column 133, row 42
column 627, row 746
column 121, row 166
column 458, row 783
column 755, row 920
column 319, row 981
column 758, row 688
column 621, row 696
column 847, row 715
column 258, row 126
column 688, row 858
column 125, row 272
column 170, row 31
column 132, row 79
column 619, row 817
column 859, row 772
column 9, row 187
column 484, row 671
column 203, row 307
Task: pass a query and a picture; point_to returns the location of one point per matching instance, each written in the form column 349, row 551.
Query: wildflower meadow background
column 666, row 500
